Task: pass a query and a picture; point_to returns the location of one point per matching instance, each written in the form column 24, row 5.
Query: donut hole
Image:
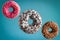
column 10, row 9
column 50, row 30
column 30, row 21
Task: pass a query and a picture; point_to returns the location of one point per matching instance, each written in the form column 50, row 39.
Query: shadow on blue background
column 48, row 9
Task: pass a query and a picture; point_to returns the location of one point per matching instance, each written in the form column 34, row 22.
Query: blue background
column 48, row 9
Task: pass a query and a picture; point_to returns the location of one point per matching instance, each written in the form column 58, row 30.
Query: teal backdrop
column 48, row 9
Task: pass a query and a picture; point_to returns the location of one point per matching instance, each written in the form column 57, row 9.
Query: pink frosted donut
column 11, row 4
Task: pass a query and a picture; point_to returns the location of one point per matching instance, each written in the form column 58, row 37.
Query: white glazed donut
column 37, row 21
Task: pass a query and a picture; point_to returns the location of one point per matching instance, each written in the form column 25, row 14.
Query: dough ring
column 37, row 21
column 11, row 4
column 53, row 32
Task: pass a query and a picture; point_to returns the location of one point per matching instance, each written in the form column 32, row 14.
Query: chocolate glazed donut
column 50, row 34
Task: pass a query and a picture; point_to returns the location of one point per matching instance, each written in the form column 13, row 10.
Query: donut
column 14, row 6
column 30, row 28
column 52, row 33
